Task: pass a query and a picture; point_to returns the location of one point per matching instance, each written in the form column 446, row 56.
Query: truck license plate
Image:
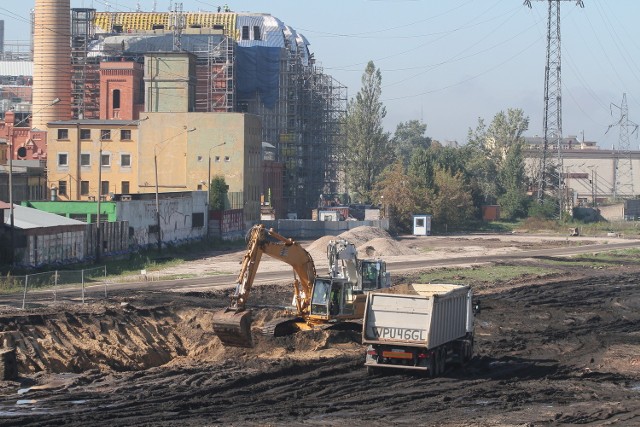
column 397, row 354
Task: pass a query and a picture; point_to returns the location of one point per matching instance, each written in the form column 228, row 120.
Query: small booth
column 422, row 225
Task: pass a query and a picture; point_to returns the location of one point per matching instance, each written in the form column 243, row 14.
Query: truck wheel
column 433, row 365
column 371, row 371
column 442, row 361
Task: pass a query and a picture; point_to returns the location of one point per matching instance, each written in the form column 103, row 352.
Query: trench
column 117, row 337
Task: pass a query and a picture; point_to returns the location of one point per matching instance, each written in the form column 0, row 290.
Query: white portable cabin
column 422, row 225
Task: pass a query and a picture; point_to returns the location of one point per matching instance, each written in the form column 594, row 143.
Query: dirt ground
column 558, row 351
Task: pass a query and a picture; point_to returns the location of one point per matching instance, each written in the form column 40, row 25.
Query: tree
column 514, row 201
column 452, row 205
column 367, row 145
column 408, row 137
column 401, row 196
column 496, row 162
column 505, row 132
column 217, row 193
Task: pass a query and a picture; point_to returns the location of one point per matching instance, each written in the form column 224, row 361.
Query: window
column 125, row 135
column 227, row 159
column 105, row 134
column 63, row 133
column 85, row 159
column 197, row 220
column 116, row 98
column 105, row 160
column 124, row 187
column 245, row 32
column 85, row 133
column 217, row 158
column 256, row 33
column 125, row 160
column 63, row 159
column 84, row 188
column 62, row 188
column 104, row 188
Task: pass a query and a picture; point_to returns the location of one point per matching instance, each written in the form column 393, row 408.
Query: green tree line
column 408, row 173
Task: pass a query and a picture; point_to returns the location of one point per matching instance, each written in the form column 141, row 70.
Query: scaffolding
column 309, row 113
column 214, row 76
column 85, row 70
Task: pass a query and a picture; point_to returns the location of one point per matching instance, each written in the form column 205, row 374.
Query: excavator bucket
column 233, row 328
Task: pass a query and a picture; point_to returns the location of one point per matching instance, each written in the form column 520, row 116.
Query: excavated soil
column 558, row 351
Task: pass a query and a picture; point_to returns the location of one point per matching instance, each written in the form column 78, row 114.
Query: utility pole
column 623, row 170
column 552, row 122
column 98, row 236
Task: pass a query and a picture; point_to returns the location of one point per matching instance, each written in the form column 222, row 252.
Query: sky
column 448, row 63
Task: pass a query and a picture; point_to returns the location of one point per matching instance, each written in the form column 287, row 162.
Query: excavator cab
column 373, row 275
column 332, row 298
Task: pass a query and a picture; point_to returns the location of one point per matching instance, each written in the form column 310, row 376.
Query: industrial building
column 235, row 62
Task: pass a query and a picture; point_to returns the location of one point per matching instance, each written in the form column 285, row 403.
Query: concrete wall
column 308, row 229
column 169, row 82
column 176, row 218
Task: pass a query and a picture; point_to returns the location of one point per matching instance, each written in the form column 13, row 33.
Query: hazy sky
column 448, row 62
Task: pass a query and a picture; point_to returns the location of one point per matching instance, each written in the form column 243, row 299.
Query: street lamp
column 155, row 167
column 10, row 146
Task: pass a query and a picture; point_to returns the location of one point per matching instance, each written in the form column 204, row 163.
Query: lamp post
column 10, row 146
column 155, row 167
column 98, row 228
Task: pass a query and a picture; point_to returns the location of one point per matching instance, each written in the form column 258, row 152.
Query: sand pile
column 371, row 242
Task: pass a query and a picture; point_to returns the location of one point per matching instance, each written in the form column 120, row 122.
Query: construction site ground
column 562, row 349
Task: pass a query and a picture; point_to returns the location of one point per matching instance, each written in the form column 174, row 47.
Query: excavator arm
column 233, row 325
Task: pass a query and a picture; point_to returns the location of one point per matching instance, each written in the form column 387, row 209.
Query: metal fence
column 54, row 286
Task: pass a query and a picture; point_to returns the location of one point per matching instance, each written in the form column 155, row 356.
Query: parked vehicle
column 421, row 327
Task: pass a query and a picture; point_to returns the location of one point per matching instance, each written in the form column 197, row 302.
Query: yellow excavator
column 320, row 302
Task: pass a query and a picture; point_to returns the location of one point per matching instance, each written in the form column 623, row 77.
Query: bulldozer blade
column 233, row 328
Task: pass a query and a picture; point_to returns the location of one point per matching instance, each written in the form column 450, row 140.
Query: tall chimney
column 51, row 62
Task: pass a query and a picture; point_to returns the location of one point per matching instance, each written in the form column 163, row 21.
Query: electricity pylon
column 552, row 123
column 623, row 182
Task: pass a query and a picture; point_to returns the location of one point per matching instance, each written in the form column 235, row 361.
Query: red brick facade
column 121, row 96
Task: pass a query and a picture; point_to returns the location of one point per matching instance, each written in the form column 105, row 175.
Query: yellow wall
column 74, row 173
column 165, row 139
column 183, row 155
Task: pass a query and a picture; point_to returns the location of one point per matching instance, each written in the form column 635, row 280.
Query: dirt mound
column 360, row 235
column 371, row 242
column 383, row 247
column 318, row 248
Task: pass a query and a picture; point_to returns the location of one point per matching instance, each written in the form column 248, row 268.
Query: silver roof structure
column 16, row 68
column 28, row 218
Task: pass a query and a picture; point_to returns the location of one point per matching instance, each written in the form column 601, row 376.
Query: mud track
column 549, row 353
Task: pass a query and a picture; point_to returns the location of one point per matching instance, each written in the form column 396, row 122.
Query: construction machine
column 366, row 274
column 319, row 302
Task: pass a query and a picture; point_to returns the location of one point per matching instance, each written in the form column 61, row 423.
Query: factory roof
column 16, row 68
column 94, row 122
column 25, row 218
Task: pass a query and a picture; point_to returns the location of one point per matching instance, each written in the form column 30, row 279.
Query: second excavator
column 319, row 302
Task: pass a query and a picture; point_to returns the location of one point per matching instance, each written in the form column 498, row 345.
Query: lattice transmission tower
column 550, row 168
column 623, row 182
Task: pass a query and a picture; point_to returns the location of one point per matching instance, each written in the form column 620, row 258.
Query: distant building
column 570, row 142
